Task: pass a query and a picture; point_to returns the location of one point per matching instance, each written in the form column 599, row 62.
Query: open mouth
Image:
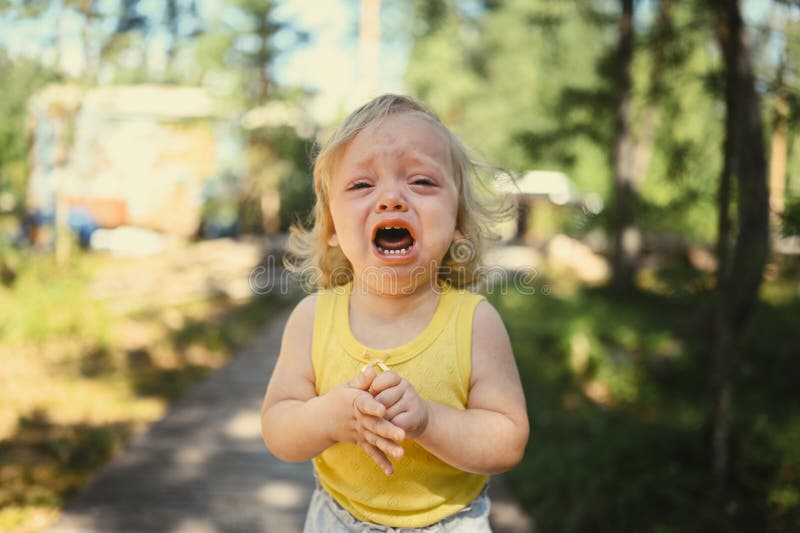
column 393, row 240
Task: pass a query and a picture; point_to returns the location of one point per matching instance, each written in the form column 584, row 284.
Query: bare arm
column 297, row 425
column 291, row 414
column 490, row 435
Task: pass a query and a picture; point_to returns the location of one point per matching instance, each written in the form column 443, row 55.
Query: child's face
column 396, row 174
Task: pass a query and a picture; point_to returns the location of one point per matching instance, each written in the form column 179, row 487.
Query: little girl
column 398, row 382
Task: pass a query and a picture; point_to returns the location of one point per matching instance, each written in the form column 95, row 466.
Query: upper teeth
column 391, row 227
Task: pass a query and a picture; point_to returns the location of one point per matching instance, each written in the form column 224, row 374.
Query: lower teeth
column 393, row 252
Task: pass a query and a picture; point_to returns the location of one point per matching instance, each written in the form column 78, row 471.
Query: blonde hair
column 323, row 266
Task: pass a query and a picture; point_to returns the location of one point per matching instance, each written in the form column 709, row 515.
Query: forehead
column 406, row 135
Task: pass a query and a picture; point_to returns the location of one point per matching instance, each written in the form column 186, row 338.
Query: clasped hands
column 385, row 410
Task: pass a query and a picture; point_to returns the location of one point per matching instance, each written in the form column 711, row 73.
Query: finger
column 384, row 428
column 390, row 397
column 413, row 423
column 379, row 457
column 403, row 420
column 392, row 412
column 366, row 404
column 384, row 445
column 402, row 405
column 380, row 426
column 384, row 381
column 364, row 379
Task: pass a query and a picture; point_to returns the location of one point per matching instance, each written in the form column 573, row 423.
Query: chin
column 398, row 280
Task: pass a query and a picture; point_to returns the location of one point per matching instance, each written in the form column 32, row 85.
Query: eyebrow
column 415, row 159
column 361, row 163
column 422, row 161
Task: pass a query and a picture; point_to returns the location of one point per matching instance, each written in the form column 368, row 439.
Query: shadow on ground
column 203, row 467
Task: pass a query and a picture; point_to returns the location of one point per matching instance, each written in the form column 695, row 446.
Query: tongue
column 393, row 240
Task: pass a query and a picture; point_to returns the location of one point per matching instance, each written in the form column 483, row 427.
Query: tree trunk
column 643, row 154
column 86, row 9
column 778, row 151
column 626, row 238
column 265, row 29
column 740, row 271
column 724, row 241
column 57, row 39
column 172, row 16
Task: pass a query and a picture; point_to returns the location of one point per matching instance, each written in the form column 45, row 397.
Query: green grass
column 617, row 392
column 79, row 379
column 48, row 302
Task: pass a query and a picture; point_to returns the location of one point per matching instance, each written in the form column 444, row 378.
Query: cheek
column 452, row 218
column 344, row 230
column 338, row 217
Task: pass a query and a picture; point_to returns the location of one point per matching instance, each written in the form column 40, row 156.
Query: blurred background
column 154, row 152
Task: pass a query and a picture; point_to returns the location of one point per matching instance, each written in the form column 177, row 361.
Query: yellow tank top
column 423, row 489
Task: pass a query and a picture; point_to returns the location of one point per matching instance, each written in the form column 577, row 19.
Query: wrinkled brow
column 413, row 157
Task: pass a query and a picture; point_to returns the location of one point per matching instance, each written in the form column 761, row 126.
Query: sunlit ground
column 617, row 393
column 79, row 376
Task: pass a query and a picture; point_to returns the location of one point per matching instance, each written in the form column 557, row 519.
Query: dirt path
column 204, row 468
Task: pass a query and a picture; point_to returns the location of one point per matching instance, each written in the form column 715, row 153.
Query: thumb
column 363, row 380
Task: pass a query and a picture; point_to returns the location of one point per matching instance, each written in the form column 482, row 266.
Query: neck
column 391, row 306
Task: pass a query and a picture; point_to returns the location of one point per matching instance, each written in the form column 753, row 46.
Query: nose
column 390, row 200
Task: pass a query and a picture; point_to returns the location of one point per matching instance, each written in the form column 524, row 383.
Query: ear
column 333, row 240
column 457, row 235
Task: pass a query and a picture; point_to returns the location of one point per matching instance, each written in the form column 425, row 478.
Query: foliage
column 526, row 88
column 682, row 181
column 80, row 379
column 505, row 93
column 791, row 218
column 227, row 47
column 295, row 186
column 20, row 78
column 617, row 409
column 616, row 388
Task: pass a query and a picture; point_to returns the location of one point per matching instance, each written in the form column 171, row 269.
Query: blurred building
column 135, row 156
column 541, row 197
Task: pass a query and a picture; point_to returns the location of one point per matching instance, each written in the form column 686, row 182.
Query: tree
column 253, row 49
column 248, row 49
column 624, row 235
column 517, row 81
column 774, row 49
column 21, row 78
column 741, row 259
column 779, row 148
column 662, row 34
column 176, row 15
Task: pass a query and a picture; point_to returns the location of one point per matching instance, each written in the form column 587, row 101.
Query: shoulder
column 301, row 320
column 299, row 328
column 491, row 347
column 472, row 310
column 305, row 308
column 487, row 321
column 462, row 299
column 293, row 375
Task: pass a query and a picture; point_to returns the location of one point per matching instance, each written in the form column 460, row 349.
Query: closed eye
column 359, row 185
column 422, row 181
